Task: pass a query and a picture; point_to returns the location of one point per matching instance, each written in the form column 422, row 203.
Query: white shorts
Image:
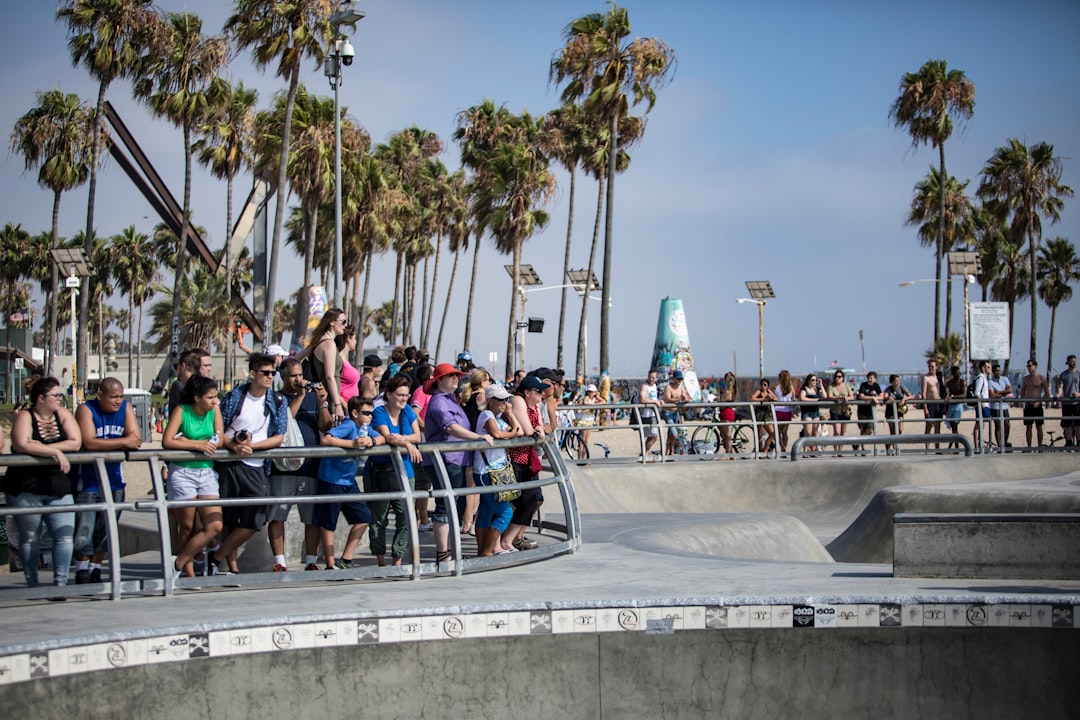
column 186, row 483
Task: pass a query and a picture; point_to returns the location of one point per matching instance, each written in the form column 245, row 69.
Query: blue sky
column 769, row 156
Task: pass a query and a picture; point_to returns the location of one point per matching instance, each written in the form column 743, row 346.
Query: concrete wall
column 901, row 672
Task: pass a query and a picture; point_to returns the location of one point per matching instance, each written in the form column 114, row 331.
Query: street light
column 341, row 53
column 526, row 277
column 963, row 264
column 760, row 291
column 579, row 280
column 76, row 264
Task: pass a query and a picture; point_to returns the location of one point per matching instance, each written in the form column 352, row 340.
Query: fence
column 764, row 431
column 164, row 583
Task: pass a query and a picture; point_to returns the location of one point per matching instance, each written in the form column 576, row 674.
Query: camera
column 241, row 436
column 345, row 50
column 313, row 386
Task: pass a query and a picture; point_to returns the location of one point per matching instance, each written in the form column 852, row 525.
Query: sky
column 769, row 156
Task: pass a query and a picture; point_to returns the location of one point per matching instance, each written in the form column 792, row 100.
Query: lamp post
column 340, row 53
column 76, row 264
column 527, row 277
column 579, row 280
column 966, row 265
column 760, row 291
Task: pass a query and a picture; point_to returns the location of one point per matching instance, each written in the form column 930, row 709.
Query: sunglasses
column 365, row 412
column 266, row 373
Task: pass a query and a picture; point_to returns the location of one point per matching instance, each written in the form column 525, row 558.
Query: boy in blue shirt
column 337, row 476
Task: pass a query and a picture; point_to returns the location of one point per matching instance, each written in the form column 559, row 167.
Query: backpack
column 307, row 366
column 293, row 438
column 971, row 394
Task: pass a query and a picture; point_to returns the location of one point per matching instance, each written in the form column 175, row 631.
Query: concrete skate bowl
column 812, row 510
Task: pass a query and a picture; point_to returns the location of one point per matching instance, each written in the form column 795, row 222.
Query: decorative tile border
column 23, row 667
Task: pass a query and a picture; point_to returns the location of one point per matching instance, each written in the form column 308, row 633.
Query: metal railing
column 755, row 418
column 117, row 587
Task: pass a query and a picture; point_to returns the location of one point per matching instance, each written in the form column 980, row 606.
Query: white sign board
column 989, row 330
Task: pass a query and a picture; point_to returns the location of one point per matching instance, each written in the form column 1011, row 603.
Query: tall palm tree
column 943, row 232
column 458, row 234
column 564, row 139
column 510, row 204
column 110, row 38
column 609, row 75
column 55, row 137
column 369, row 214
column 1027, row 183
column 1059, row 269
column 1010, row 283
column 929, row 101
column 285, row 34
column 135, row 271
column 176, row 82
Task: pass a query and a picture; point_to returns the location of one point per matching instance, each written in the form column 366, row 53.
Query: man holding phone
column 256, row 418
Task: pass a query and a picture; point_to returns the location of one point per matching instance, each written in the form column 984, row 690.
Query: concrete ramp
column 845, row 504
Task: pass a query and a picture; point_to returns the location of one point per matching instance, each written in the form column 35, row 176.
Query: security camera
column 346, row 52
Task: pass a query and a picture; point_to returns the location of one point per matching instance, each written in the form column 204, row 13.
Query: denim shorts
column 955, row 411
column 188, row 483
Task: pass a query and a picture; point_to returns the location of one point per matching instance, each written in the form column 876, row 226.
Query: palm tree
column 947, row 350
column 369, row 213
column 205, row 313
column 135, row 271
column 605, row 72
column 383, row 321
column 55, row 137
column 1027, row 183
column 458, row 234
column 942, row 232
column 177, row 81
column 1059, row 269
column 564, row 139
column 285, row 33
column 110, row 38
column 518, row 183
column 1010, row 282
column 929, row 100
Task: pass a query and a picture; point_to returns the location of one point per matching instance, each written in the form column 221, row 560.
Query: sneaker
column 312, row 566
column 176, row 572
column 344, row 564
column 426, row 527
column 95, row 575
column 525, row 544
column 280, row 568
column 82, row 577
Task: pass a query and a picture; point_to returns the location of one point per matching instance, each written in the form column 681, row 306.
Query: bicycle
column 573, row 445
column 707, row 440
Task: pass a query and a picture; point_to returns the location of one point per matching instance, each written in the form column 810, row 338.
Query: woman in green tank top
column 196, row 426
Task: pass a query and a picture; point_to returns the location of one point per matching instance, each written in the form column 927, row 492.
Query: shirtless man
column 1034, row 385
column 674, row 393
column 930, row 391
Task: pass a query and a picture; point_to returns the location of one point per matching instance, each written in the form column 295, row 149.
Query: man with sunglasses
column 255, row 418
column 310, row 408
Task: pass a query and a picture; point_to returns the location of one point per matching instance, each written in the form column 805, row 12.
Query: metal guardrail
column 801, row 442
column 160, row 506
column 972, row 418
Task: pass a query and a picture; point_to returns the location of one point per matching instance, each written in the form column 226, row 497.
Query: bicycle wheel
column 705, row 440
column 743, row 440
column 570, row 444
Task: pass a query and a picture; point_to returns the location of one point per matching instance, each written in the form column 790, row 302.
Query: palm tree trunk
column 311, row 213
column 434, row 287
column 131, row 340
column 229, row 344
column 394, row 302
column 948, row 304
column 1032, row 289
column 84, row 297
column 1050, row 347
column 609, row 222
column 449, row 293
column 138, row 352
column 472, row 294
column 566, row 270
column 279, row 205
column 181, row 247
column 940, row 249
column 362, row 322
column 580, row 371
column 511, row 334
column 425, row 317
column 51, row 344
